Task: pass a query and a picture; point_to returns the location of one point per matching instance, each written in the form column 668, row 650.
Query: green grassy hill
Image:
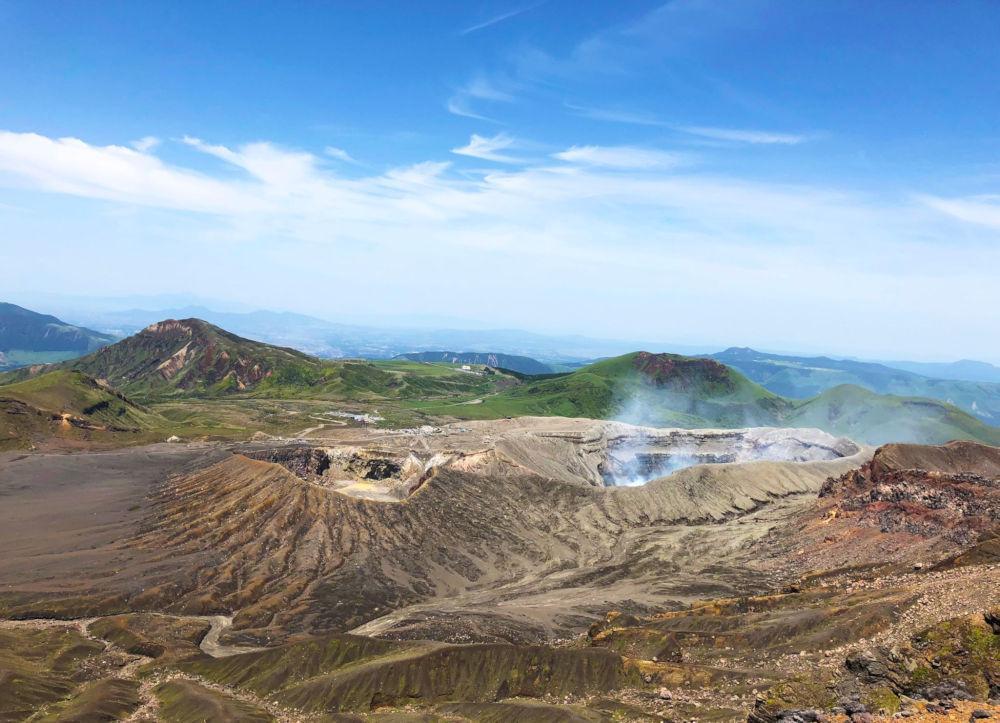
column 191, row 358
column 69, row 405
column 69, row 392
column 641, row 388
column 174, row 364
column 670, row 390
column 880, row 418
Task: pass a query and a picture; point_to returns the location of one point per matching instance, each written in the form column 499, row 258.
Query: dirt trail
column 210, row 644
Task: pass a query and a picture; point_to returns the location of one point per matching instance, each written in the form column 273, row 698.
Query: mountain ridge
column 513, row 362
column 28, row 337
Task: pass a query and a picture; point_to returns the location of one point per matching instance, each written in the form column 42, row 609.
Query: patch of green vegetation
column 347, row 673
column 880, row 698
column 191, row 360
column 961, row 649
column 658, row 390
column 102, row 700
column 880, row 418
column 37, row 667
column 814, row 691
column 183, row 701
column 676, row 391
column 69, row 392
column 806, row 377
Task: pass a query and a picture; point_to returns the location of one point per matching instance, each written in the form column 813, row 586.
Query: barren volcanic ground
column 523, row 569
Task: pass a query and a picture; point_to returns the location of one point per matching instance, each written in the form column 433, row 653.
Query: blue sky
column 819, row 176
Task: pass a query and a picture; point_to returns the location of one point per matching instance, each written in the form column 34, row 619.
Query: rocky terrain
column 486, row 571
column 320, row 562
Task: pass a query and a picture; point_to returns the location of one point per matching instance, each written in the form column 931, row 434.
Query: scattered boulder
column 992, row 618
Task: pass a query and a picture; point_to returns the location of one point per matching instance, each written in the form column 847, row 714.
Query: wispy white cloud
column 480, row 88
column 498, row 19
column 484, row 88
column 740, row 135
column 458, row 105
column 118, row 173
column 145, row 144
column 616, row 115
column 982, row 210
column 626, row 157
column 264, row 161
column 488, row 149
column 677, row 235
column 729, row 135
column 340, row 154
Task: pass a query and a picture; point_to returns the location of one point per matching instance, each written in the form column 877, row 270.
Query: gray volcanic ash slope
column 523, row 516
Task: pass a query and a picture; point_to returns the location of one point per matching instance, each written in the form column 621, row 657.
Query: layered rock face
column 952, row 491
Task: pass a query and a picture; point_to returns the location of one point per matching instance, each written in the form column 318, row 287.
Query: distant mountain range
column 27, row 337
column 802, row 377
column 522, row 364
column 347, row 341
column 190, row 358
column 197, row 358
column 963, row 370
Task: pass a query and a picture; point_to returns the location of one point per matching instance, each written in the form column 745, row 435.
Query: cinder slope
column 481, row 531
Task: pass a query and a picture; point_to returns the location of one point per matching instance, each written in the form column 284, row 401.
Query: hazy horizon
column 779, row 175
column 75, row 310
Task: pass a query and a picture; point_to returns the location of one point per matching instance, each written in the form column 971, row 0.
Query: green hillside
column 68, row 404
column 70, row 392
column 173, row 364
column 670, row 390
column 880, row 418
column 641, row 388
column 191, row 358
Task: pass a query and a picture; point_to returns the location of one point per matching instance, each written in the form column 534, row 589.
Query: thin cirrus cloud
column 489, row 148
column 459, row 105
column 983, row 210
column 615, row 115
column 145, row 144
column 740, row 135
column 624, row 157
column 729, row 135
column 340, row 154
column 478, row 89
column 496, row 19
